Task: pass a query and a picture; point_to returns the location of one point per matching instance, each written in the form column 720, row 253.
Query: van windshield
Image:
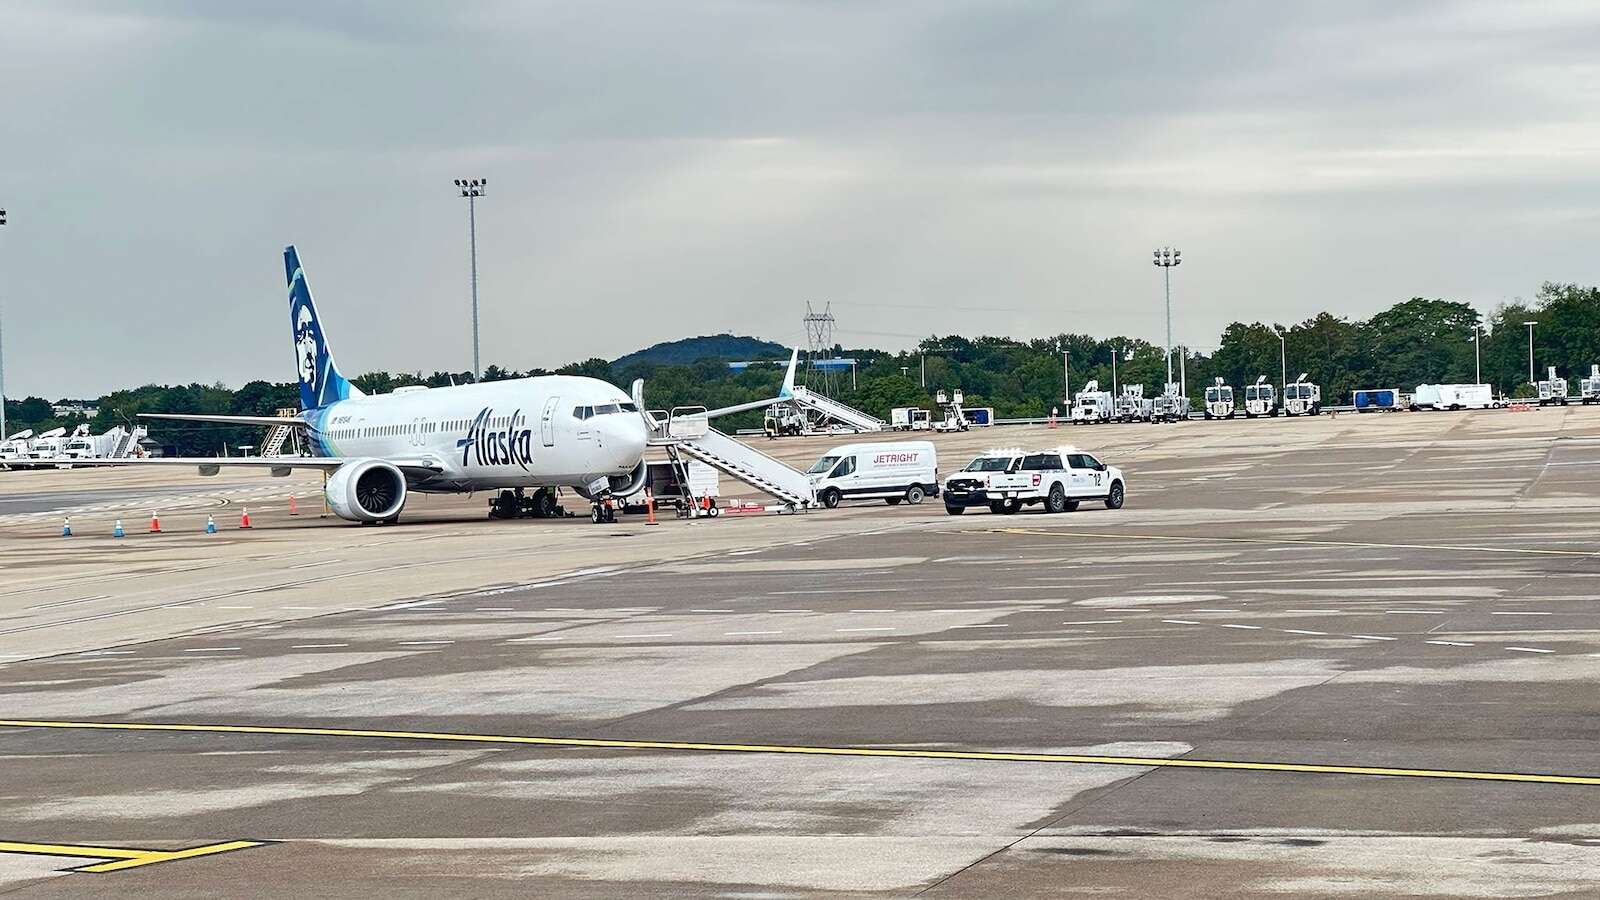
column 989, row 464
column 823, row 465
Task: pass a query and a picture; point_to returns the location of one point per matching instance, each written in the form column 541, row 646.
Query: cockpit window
column 628, row 407
column 583, row 412
column 605, row 409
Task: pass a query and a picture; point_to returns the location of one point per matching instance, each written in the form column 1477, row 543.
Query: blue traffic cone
column 66, row 527
column 211, row 525
column 116, row 530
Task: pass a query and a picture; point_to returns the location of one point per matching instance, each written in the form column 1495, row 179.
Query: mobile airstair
column 279, row 435
column 832, row 410
column 687, row 431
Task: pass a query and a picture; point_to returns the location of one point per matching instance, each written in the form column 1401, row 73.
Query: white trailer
column 1219, row 401
column 910, row 418
column 1452, row 396
column 1552, row 390
column 1092, row 405
column 1589, row 388
column 1302, row 398
column 1260, row 399
column 15, row 448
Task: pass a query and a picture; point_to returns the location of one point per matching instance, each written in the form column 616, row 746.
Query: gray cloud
column 661, row 169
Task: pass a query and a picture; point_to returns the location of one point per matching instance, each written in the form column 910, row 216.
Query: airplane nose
column 627, row 438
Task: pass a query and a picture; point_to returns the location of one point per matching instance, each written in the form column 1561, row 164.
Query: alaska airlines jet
column 544, row 433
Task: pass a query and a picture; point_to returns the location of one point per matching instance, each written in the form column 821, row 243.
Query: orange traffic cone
column 293, row 509
column 155, row 523
column 649, row 507
column 244, row 518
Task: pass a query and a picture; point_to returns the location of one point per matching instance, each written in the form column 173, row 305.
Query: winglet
column 787, row 390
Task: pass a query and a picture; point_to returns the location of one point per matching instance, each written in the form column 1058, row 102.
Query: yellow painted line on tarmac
column 121, row 858
column 1206, row 539
column 798, row 750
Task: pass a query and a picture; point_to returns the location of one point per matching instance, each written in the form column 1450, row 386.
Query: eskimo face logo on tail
column 306, row 341
column 486, row 446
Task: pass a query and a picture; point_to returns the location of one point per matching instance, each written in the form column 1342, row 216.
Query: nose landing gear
column 603, row 511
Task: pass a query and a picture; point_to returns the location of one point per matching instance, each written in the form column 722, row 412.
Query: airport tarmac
column 1332, row 657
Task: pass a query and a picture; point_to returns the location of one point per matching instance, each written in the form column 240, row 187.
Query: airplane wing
column 784, row 393
column 228, row 420
column 209, row 465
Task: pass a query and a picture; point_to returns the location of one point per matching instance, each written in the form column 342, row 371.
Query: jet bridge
column 688, row 431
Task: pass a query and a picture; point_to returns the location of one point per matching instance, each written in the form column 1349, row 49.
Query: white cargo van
column 903, row 470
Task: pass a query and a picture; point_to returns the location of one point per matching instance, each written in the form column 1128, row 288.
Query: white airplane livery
column 544, row 433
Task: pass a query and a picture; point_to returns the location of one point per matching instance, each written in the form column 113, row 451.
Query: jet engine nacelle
column 366, row 490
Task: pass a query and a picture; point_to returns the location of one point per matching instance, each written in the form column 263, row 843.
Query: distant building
column 64, row 410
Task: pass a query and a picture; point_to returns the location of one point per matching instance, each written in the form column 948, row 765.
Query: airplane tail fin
column 320, row 380
column 788, row 377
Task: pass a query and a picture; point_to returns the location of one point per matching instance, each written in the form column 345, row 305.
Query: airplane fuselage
column 545, row 431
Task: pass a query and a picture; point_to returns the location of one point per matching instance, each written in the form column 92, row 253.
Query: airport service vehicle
column 892, row 472
column 783, row 420
column 1092, row 405
column 955, row 417
column 682, row 487
column 1171, row 406
column 1552, row 390
column 1131, row 405
column 1589, row 388
column 979, row 416
column 1452, row 396
column 1219, row 401
column 1302, row 398
column 910, row 418
column 46, row 447
column 543, row 434
column 1260, row 399
column 14, row 449
column 1007, row 480
column 1377, row 400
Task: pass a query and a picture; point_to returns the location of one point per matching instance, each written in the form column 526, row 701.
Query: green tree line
column 1415, row 341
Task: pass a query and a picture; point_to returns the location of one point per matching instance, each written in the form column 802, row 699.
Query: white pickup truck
column 1007, row 480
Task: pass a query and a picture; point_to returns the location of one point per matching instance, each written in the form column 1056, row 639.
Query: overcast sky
column 665, row 169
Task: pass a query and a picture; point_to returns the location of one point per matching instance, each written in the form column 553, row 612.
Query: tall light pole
column 1283, row 363
column 1477, row 351
column 1530, row 350
column 1166, row 258
column 1114, row 393
column 472, row 189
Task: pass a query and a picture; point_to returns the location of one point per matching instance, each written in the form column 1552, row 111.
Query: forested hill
column 715, row 346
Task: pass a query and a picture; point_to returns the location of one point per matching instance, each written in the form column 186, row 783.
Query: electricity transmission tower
column 819, row 341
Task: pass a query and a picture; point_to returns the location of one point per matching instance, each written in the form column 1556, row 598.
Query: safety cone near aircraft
column 211, row 525
column 66, row 527
column 649, row 507
column 244, row 518
column 155, row 523
column 293, row 509
column 116, row 530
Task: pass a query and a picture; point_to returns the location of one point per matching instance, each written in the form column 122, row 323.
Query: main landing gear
column 515, row 504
